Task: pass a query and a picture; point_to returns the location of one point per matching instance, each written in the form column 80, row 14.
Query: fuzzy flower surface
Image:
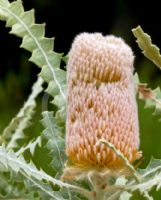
column 101, row 102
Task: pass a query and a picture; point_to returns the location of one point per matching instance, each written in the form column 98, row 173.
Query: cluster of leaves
column 19, row 176
column 23, row 25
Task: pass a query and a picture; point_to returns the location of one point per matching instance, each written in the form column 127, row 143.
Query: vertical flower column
column 101, row 102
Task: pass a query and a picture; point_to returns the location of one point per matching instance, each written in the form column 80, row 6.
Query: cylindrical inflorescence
column 101, row 102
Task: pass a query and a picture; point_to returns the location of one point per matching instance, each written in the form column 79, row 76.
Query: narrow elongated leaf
column 15, row 130
column 150, row 50
column 54, row 135
column 17, row 164
column 23, row 25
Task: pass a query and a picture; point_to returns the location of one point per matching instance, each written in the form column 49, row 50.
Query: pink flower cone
column 101, row 102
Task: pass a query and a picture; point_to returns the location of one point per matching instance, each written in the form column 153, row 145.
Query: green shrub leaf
column 15, row 130
column 23, row 25
column 54, row 135
column 11, row 161
column 150, row 50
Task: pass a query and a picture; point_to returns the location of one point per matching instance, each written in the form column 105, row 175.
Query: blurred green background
column 64, row 20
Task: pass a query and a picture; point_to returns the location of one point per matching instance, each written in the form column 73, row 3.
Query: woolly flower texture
column 101, row 102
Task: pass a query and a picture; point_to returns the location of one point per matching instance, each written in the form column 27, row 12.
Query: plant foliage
column 14, row 130
column 150, row 50
column 20, row 176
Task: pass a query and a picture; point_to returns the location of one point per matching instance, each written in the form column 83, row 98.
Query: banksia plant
column 101, row 102
column 91, row 153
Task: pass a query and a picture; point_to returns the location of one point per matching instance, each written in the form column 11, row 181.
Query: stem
column 99, row 184
column 99, row 195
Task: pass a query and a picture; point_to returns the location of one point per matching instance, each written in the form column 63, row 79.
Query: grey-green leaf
column 150, row 50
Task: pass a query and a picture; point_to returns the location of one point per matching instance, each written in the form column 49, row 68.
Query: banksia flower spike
column 101, row 102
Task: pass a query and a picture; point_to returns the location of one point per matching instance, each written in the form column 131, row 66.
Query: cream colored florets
column 100, row 101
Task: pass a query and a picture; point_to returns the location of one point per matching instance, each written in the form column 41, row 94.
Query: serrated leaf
column 150, row 50
column 15, row 130
column 29, row 44
column 150, row 178
column 58, row 101
column 31, row 146
column 16, row 189
column 61, row 116
column 55, row 140
column 44, row 190
column 52, row 89
column 23, row 25
column 153, row 167
column 26, row 18
column 16, row 5
column 29, row 171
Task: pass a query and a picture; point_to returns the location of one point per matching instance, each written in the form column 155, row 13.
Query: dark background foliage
column 65, row 19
